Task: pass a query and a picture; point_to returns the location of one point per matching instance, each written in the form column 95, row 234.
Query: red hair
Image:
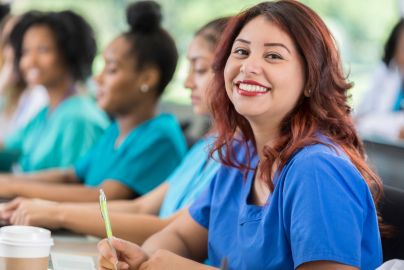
column 324, row 111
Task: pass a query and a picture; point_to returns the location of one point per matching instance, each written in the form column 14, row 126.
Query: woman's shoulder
column 320, row 163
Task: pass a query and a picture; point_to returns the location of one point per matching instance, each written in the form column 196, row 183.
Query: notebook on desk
column 62, row 261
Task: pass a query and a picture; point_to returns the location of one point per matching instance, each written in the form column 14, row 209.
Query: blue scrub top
column 190, row 178
column 321, row 209
column 146, row 157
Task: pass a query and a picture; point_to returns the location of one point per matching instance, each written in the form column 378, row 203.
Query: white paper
column 62, row 261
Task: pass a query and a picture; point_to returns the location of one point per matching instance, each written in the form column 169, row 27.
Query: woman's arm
column 149, row 203
column 48, row 176
column 132, row 227
column 63, row 192
column 183, row 236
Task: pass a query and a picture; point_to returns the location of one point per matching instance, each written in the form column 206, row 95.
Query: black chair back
column 392, row 212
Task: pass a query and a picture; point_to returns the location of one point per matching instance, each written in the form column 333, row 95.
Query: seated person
column 18, row 104
column 181, row 188
column 71, row 123
column 140, row 149
column 298, row 195
column 381, row 111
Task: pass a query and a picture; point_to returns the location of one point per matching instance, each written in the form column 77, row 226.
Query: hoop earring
column 144, row 88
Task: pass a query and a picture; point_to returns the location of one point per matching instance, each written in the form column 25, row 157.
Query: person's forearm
column 49, row 176
column 134, row 228
column 168, row 241
column 52, row 192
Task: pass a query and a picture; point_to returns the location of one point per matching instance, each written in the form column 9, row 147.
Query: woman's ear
column 150, row 77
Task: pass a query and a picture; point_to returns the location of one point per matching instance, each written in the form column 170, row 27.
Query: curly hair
column 74, row 38
column 325, row 111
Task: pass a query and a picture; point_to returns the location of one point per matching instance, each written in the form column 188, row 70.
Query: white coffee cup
column 24, row 248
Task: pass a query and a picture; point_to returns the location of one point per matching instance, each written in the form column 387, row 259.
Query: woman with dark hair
column 136, row 220
column 18, row 104
column 381, row 111
column 56, row 50
column 140, row 149
column 298, row 194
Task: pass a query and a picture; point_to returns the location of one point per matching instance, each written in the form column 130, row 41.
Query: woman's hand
column 33, row 212
column 130, row 256
column 7, row 209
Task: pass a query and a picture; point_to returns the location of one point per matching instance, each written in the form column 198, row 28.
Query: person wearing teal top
column 71, row 123
column 57, row 139
column 137, row 219
column 158, row 141
column 190, row 178
column 140, row 149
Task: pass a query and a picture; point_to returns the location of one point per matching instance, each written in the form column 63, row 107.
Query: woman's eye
column 201, row 71
column 111, row 70
column 43, row 49
column 240, row 52
column 273, row 56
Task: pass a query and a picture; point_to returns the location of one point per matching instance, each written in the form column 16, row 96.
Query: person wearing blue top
column 71, row 123
column 140, row 149
column 137, row 219
column 294, row 191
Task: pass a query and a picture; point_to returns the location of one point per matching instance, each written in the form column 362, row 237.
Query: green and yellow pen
column 107, row 223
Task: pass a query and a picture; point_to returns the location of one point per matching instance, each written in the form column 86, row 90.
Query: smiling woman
column 296, row 192
column 56, row 50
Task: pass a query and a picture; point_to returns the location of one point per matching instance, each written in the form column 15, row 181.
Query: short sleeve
column 15, row 141
column 83, row 165
column 324, row 209
column 147, row 165
column 78, row 135
column 200, row 208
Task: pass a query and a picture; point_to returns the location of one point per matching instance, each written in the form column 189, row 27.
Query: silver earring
column 144, row 88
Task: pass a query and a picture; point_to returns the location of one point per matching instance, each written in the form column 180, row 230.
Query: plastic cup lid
column 25, row 236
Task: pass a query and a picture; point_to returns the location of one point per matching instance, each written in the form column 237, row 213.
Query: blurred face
column 200, row 73
column 118, row 91
column 264, row 74
column 399, row 53
column 41, row 61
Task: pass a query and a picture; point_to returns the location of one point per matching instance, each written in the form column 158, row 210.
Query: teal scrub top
column 190, row 178
column 59, row 138
column 143, row 160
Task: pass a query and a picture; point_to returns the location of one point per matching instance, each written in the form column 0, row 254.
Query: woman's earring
column 144, row 88
column 307, row 92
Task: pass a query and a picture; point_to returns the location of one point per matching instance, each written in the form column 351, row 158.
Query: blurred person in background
column 136, row 220
column 18, row 104
column 381, row 111
column 140, row 148
column 56, row 50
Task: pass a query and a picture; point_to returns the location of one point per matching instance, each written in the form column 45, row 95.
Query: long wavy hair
column 324, row 110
